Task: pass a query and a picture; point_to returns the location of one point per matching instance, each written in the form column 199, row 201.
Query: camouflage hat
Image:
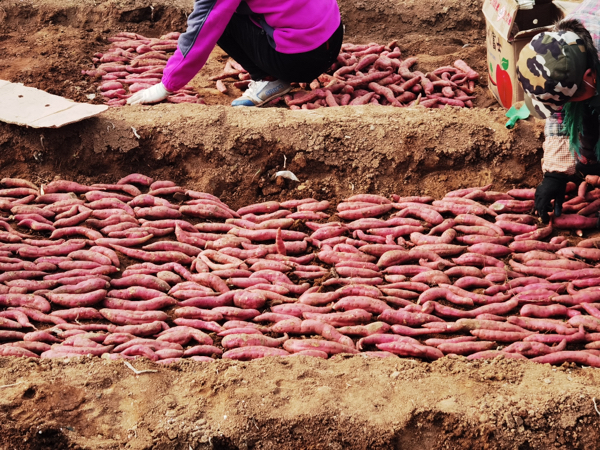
column 550, row 70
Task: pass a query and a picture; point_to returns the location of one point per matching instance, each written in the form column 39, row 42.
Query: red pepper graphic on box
column 502, row 83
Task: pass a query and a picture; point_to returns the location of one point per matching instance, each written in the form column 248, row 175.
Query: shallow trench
column 343, row 403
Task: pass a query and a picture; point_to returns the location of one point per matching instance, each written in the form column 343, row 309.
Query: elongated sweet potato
column 247, row 340
column 331, row 348
column 253, row 352
column 409, row 349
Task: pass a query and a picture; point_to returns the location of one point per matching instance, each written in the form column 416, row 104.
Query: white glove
column 154, row 94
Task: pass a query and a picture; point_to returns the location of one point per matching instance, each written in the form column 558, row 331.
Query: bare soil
column 342, row 403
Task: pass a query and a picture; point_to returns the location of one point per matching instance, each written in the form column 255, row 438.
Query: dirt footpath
column 299, row 402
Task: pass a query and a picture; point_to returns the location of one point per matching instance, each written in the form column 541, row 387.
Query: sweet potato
column 534, row 348
column 331, row 348
column 351, row 317
column 543, row 311
column 588, row 322
column 78, row 300
column 367, row 212
column 475, row 259
column 383, row 338
column 141, row 350
column 146, row 281
column 78, row 265
column 205, row 350
column 295, row 326
column 491, row 354
column 123, row 317
column 312, row 353
column 233, row 313
column 31, row 285
column 139, row 305
column 76, row 314
column 290, row 326
column 574, row 221
column 247, row 340
column 465, row 348
column 557, row 264
column 541, row 325
column 144, row 329
column 470, row 219
column 136, row 178
column 428, row 215
column 206, row 211
column 402, row 317
column 581, row 252
column 499, row 336
column 19, row 316
column 89, row 255
column 260, row 208
column 361, row 302
column 249, row 300
column 135, row 292
column 557, row 338
column 199, row 324
column 156, row 256
column 74, row 231
column 436, row 293
column 408, row 331
column 85, row 286
column 365, row 330
column 27, row 300
column 231, row 331
column 567, row 275
column 460, row 208
column 408, row 349
column 253, row 352
column 12, row 350
column 431, row 277
column 579, row 357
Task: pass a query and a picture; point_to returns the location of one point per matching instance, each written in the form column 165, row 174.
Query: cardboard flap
column 501, row 14
column 529, row 33
column 26, row 106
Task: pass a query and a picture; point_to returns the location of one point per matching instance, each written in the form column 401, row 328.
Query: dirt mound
column 299, row 402
column 234, row 154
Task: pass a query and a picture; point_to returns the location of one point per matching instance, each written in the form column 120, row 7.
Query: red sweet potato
column 247, row 340
column 408, row 349
column 579, row 357
column 465, row 348
column 331, row 348
column 78, row 300
column 253, row 352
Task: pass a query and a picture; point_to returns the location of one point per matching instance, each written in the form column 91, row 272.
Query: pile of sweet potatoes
column 144, row 268
column 363, row 74
column 134, row 62
column 375, row 74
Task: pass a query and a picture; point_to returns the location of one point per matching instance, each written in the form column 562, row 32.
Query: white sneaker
column 261, row 92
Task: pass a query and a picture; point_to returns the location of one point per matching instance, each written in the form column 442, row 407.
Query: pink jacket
column 293, row 26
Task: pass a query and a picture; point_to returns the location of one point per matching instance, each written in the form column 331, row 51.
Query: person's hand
column 552, row 187
column 154, row 94
column 590, row 172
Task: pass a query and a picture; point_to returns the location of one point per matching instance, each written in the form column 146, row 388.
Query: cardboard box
column 508, row 30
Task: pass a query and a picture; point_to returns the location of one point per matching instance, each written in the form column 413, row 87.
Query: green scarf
column 574, row 112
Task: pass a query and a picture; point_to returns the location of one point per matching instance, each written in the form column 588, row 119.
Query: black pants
column 248, row 44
